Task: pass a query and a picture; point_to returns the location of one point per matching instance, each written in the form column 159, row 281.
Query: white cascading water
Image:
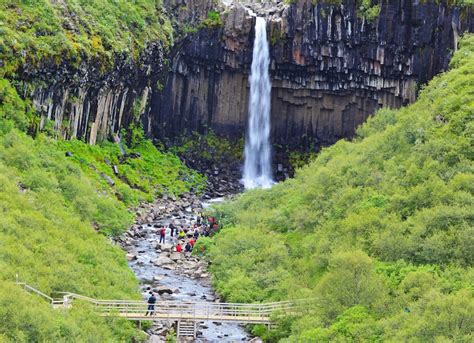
column 257, row 167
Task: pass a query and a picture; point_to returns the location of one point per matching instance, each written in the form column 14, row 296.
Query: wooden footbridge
column 185, row 314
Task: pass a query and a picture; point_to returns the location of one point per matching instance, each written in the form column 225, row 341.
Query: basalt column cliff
column 331, row 67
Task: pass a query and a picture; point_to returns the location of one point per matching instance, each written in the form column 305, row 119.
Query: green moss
column 35, row 31
column 209, row 147
column 139, row 179
column 213, row 20
column 368, row 9
column 276, row 35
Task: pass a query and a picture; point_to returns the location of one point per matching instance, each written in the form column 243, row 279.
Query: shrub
column 213, row 20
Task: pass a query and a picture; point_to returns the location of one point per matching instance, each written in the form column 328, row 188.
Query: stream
column 184, row 286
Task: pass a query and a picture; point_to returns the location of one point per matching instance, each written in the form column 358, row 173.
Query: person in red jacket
column 162, row 234
column 192, row 241
column 179, row 248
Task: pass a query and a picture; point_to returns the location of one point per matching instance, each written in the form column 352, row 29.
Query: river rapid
column 186, row 279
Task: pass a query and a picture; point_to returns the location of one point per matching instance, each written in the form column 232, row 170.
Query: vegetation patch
column 36, row 31
column 377, row 232
column 51, row 206
column 209, row 148
column 369, row 10
column 213, row 20
column 142, row 174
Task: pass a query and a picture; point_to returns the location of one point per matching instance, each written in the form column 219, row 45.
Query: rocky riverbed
column 173, row 275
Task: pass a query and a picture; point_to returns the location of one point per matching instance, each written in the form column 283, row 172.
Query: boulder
column 176, row 256
column 164, row 247
column 162, row 260
column 162, row 290
column 131, row 257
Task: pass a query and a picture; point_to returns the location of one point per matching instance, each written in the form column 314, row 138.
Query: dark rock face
column 330, row 68
column 84, row 102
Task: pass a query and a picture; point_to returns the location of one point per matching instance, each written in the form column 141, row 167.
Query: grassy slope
column 50, row 205
column 370, row 228
column 37, row 30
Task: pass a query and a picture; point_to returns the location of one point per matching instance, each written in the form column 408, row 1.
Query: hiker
column 188, row 247
column 179, row 248
column 181, row 234
column 151, row 304
column 206, row 232
column 172, row 228
column 191, row 242
column 196, row 234
column 147, row 292
column 162, row 235
column 189, row 233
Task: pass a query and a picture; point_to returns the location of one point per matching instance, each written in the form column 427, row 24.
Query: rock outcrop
column 86, row 102
column 331, row 67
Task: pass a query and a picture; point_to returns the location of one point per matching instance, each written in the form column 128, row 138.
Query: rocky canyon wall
column 87, row 103
column 93, row 101
column 330, row 68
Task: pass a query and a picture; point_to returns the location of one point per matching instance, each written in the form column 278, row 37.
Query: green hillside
column 377, row 232
column 55, row 214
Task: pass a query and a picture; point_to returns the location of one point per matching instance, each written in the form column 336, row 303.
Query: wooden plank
column 135, row 316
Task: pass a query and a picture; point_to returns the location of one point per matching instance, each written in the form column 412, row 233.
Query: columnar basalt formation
column 85, row 102
column 331, row 68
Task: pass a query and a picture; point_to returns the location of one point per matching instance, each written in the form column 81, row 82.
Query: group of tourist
column 179, row 237
column 183, row 238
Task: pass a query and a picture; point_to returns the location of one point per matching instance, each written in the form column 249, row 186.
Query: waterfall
column 257, row 167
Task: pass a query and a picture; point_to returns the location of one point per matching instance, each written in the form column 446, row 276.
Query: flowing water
column 185, row 288
column 257, row 167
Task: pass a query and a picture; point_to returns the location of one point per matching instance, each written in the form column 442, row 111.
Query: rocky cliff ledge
column 86, row 102
column 331, row 67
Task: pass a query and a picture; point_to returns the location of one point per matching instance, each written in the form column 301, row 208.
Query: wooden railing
column 173, row 310
column 176, row 310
